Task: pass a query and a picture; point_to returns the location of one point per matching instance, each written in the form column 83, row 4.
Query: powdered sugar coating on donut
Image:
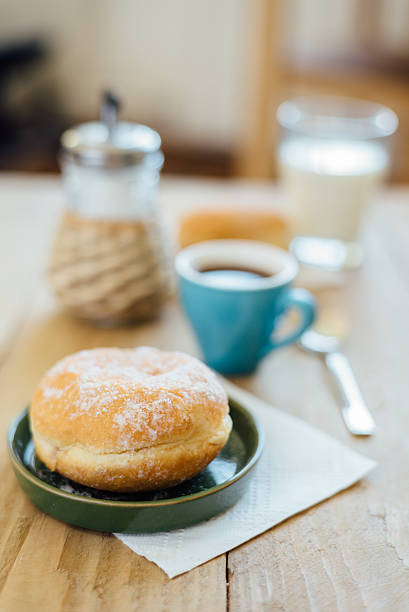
column 119, row 400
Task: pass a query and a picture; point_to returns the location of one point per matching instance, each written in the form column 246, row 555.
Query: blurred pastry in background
column 261, row 225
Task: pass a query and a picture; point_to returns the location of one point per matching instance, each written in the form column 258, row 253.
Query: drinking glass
column 333, row 154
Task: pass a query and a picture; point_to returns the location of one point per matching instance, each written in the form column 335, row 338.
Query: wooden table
column 348, row 553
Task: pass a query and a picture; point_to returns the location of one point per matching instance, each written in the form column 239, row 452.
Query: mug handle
column 304, row 302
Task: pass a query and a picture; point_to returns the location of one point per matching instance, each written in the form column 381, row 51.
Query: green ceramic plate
column 212, row 491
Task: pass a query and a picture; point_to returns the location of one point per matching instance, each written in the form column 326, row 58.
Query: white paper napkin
column 300, row 467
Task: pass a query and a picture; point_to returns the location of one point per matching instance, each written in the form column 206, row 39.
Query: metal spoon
column 355, row 412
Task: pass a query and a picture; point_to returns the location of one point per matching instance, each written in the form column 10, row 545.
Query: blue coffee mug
column 236, row 319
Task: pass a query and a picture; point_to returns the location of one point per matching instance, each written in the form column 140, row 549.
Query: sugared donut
column 129, row 419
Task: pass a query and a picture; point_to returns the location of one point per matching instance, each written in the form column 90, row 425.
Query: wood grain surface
column 348, row 553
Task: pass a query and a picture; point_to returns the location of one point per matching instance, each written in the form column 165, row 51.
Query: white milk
column 328, row 183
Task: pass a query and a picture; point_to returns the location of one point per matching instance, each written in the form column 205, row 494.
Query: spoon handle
column 356, row 414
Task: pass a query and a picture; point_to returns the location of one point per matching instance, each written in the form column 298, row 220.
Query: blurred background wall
column 207, row 75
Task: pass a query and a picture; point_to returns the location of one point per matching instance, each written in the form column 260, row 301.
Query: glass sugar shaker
column 108, row 263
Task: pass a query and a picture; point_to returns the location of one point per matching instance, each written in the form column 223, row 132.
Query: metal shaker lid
column 111, row 144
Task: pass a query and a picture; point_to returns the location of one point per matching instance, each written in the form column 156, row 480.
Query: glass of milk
column 332, row 157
